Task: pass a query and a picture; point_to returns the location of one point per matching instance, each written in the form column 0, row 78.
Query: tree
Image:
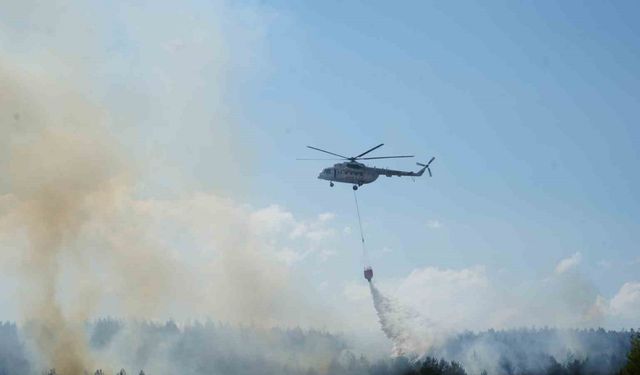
column 633, row 358
column 431, row 366
column 455, row 369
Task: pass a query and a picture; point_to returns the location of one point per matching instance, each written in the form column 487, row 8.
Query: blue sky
column 529, row 108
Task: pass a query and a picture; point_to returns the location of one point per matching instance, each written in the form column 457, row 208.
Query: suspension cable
column 364, row 250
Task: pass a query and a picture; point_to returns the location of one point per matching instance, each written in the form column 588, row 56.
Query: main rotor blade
column 368, row 151
column 316, row 159
column 327, row 152
column 387, row 157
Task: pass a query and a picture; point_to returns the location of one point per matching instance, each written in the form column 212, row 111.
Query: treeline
column 13, row 360
column 540, row 351
column 214, row 348
column 97, row 372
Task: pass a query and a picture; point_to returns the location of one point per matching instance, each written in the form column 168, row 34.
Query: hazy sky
column 529, row 108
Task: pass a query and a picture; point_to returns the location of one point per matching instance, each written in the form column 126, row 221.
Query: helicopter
column 353, row 172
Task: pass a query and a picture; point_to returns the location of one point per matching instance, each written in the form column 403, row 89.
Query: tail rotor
column 427, row 165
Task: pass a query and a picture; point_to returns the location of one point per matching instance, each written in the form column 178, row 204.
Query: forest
column 141, row 347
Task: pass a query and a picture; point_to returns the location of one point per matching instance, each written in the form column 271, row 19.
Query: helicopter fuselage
column 350, row 173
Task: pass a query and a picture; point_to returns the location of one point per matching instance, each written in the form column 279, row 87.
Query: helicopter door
column 334, row 173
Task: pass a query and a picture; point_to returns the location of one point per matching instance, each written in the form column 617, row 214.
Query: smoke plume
column 58, row 168
column 71, row 212
column 87, row 243
column 63, row 177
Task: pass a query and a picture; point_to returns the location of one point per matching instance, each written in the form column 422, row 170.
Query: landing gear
column 355, row 187
column 331, row 184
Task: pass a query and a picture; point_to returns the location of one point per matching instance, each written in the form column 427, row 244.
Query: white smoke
column 93, row 95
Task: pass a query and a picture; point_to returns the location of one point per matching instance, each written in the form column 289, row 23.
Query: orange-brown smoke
column 61, row 172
